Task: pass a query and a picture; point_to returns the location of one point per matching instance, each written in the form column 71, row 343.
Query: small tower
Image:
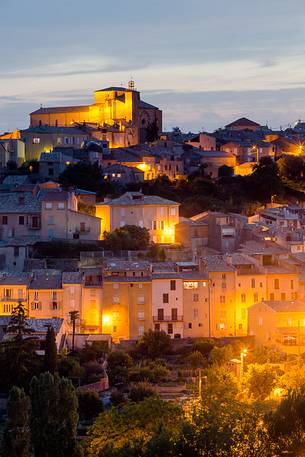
column 131, row 84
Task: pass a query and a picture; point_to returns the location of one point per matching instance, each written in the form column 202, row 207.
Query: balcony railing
column 82, row 230
column 168, row 318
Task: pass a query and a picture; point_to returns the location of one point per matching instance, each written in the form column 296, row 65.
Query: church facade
column 117, row 115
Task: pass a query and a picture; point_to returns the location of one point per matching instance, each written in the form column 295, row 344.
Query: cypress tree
column 54, row 416
column 17, row 436
column 50, row 356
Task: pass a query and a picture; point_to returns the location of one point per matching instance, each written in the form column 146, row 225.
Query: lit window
column 222, row 298
column 141, row 300
column 61, row 205
column 115, row 285
column 196, row 297
column 36, row 140
column 115, row 299
column 191, row 285
column 141, row 315
column 141, row 330
column 49, row 205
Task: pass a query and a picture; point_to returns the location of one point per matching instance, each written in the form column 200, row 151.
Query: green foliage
column 141, row 390
column 17, row 436
column 291, row 167
column 154, row 344
column 119, row 363
column 18, row 323
column 219, row 385
column 132, row 424
column 69, row 367
column 19, row 362
column 151, row 371
column 89, row 405
column 260, row 380
column 221, row 355
column 117, row 397
column 94, row 351
column 204, row 345
column 54, row 416
column 50, row 357
column 263, row 354
column 94, row 371
column 129, row 237
column 196, row 359
column 86, row 176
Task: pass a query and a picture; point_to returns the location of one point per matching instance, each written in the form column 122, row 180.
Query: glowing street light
column 243, row 354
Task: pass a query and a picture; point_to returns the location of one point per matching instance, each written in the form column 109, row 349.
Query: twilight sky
column 202, row 62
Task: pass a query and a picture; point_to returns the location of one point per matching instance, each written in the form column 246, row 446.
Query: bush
column 154, row 344
column 89, row 405
column 68, row 367
column 94, row 371
column 119, row 363
column 93, row 351
column 204, row 346
column 117, row 397
column 141, row 390
column 153, row 372
column 196, row 360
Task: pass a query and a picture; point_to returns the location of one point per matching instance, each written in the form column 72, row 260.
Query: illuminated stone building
column 157, row 214
column 126, row 309
column 117, row 115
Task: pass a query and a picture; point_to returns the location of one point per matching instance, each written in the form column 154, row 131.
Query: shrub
column 141, row 390
column 89, row 405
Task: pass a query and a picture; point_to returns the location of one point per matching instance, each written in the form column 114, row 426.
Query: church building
column 117, row 115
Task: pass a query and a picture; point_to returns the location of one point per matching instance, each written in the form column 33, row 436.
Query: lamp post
column 243, row 354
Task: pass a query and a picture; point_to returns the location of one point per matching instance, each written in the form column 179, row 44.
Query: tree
column 118, row 364
column 128, row 237
column 85, row 175
column 154, row 344
column 224, row 171
column 89, row 405
column 17, row 436
column 221, row 355
column 141, row 390
column 50, row 356
column 291, row 167
column 260, row 380
column 54, row 416
column 220, row 385
column 18, row 323
column 132, row 424
column 74, row 315
column 196, row 359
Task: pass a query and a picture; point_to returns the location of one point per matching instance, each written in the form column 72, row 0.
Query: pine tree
column 17, row 436
column 50, row 357
column 54, row 416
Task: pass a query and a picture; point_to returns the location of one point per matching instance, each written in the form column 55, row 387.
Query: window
column 16, row 251
column 154, row 225
column 162, row 225
column 195, row 313
column 160, row 314
column 140, row 286
column 253, row 283
column 157, row 327
column 8, row 293
column 195, row 297
column 115, row 285
column 7, row 308
column 51, row 171
column 222, row 298
column 4, row 220
column 240, row 326
column 36, row 305
column 243, row 298
column 20, row 294
column 141, row 330
column 291, row 284
column 61, row 205
column 54, row 295
column 221, row 326
column 191, row 285
column 36, row 295
column 36, row 141
column 49, row 205
column 190, row 325
column 173, row 284
column 50, row 220
column 165, row 298
column 21, row 220
column 141, row 300
column 141, row 315
column 283, row 296
column 170, row 328
column 115, row 299
column 255, row 297
column 59, row 140
column 271, row 297
column 276, row 283
column 223, row 285
column 223, row 276
column 174, row 314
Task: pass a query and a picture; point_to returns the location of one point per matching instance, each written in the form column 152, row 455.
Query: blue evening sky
column 202, row 62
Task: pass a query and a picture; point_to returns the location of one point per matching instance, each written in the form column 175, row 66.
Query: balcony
column 168, row 319
column 82, row 230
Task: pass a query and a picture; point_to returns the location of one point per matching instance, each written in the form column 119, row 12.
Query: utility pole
column 199, row 384
column 74, row 315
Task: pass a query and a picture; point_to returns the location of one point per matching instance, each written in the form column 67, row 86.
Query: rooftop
column 137, row 198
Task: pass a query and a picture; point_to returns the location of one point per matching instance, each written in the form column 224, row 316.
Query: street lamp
column 243, row 354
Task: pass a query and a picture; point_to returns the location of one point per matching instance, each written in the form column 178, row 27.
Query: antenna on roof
column 131, row 84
